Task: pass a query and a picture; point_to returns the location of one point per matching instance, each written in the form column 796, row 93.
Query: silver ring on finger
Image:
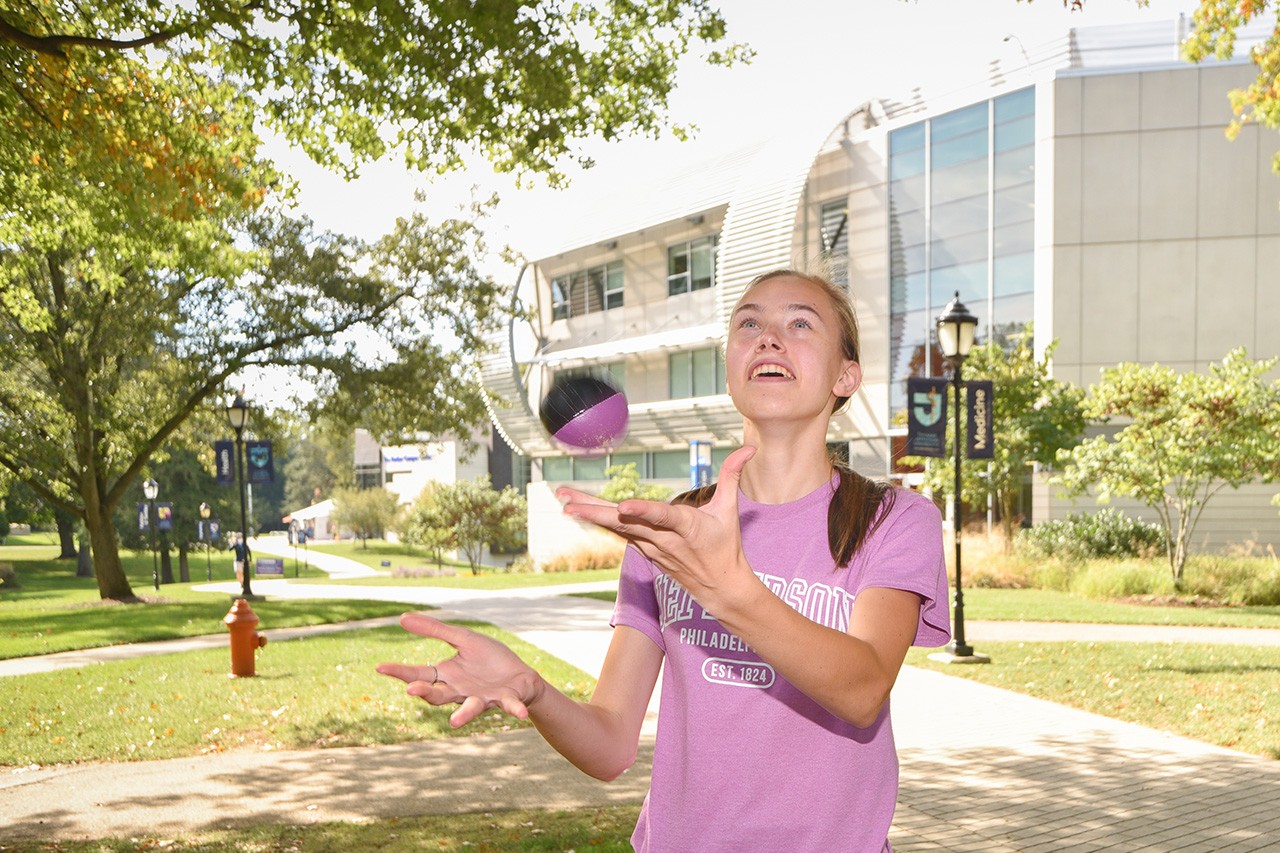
column 435, row 674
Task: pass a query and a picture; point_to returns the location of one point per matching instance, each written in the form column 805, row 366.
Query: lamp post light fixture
column 956, row 327
column 151, row 490
column 205, row 512
column 237, row 417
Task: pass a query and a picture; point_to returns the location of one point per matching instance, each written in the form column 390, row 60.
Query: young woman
column 783, row 600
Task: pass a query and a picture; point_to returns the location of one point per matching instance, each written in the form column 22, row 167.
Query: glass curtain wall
column 961, row 220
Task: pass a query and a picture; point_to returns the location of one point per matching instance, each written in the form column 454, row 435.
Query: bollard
column 245, row 640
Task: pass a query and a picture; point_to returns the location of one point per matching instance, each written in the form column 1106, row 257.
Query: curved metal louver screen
column 759, row 224
column 512, row 414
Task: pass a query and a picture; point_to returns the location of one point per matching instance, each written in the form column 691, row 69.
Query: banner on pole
column 224, row 453
column 143, row 517
column 259, row 463
column 980, row 402
column 926, row 417
column 164, row 516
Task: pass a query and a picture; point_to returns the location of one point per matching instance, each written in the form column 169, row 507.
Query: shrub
column 1122, row 579
column 597, row 555
column 1234, row 580
column 1084, row 536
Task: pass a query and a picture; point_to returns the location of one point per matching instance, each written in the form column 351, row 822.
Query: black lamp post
column 150, row 490
column 205, row 512
column 956, row 328
column 237, row 417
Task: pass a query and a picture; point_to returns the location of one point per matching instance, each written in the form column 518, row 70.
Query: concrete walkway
column 983, row 769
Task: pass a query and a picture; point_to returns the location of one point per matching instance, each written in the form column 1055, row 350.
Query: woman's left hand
column 699, row 547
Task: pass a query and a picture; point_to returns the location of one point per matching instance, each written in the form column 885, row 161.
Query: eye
column 747, row 323
column 802, row 324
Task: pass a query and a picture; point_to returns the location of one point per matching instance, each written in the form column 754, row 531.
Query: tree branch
column 56, row 45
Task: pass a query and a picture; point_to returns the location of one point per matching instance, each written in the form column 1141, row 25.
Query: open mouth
column 771, row 371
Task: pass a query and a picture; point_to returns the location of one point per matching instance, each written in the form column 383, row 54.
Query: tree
column 368, row 513
column 115, row 350
column 424, row 526
column 1216, row 23
column 131, row 184
column 624, row 484
column 318, row 461
column 522, row 82
column 1184, row 437
column 476, row 515
column 1034, row 417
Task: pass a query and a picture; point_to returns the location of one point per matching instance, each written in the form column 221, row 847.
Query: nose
column 768, row 339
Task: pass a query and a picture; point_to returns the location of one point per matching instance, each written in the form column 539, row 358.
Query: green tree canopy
column 107, row 364
column 1180, row 439
column 624, row 484
column 368, row 513
column 520, row 82
column 1034, row 417
column 475, row 515
column 144, row 260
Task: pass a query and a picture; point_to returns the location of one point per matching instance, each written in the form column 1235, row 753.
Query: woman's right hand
column 482, row 674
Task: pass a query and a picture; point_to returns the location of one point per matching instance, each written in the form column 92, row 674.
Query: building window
column 613, row 286
column 560, row 298
column 833, row 229
column 961, row 219
column 696, row 373
column 585, row 291
column 691, row 265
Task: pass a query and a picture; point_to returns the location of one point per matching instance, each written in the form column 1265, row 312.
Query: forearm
column 601, row 737
column 848, row 675
column 592, row 738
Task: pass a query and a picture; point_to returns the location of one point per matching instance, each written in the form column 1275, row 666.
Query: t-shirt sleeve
column 637, row 603
column 905, row 553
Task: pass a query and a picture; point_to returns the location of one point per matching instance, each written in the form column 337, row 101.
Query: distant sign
column 270, row 566
column 164, row 516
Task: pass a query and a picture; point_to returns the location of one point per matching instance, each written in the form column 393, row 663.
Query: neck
column 786, row 467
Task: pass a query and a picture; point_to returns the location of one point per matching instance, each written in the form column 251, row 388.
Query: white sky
column 823, row 56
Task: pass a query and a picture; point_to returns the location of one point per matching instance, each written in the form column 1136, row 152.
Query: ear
column 849, row 381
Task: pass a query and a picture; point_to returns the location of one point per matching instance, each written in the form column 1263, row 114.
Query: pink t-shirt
column 744, row 760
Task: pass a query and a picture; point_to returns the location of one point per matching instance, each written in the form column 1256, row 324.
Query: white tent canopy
column 320, row 510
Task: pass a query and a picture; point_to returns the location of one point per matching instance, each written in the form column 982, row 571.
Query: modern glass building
column 1090, row 191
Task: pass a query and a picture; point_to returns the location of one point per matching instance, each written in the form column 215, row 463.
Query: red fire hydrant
column 245, row 640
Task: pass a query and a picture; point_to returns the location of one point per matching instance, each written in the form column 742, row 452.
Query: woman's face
column 784, row 359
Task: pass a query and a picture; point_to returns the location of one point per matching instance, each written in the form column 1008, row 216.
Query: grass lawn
column 605, row 829
column 52, row 610
column 317, row 692
column 1224, row 695
column 1042, row 605
column 373, row 552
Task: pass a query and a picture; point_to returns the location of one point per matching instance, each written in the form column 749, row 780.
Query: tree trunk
column 184, row 565
column 84, row 560
column 66, row 533
column 112, row 583
column 166, row 564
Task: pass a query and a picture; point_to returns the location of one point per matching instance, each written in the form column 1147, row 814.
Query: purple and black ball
column 585, row 414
